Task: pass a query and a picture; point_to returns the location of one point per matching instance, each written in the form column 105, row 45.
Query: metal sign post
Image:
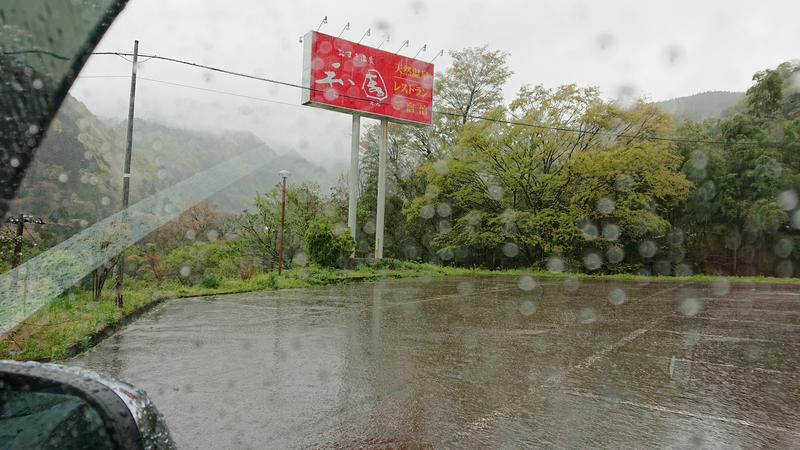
column 354, row 147
column 379, row 216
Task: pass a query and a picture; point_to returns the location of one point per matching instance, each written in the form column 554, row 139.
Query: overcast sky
column 660, row 49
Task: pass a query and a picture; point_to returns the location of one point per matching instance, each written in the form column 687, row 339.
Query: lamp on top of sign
column 345, row 76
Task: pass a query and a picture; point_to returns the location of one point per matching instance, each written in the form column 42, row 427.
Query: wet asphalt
column 472, row 362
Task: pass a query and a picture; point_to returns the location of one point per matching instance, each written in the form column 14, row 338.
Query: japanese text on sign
column 349, row 77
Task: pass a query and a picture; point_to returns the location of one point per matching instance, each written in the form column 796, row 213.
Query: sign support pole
column 354, row 147
column 379, row 217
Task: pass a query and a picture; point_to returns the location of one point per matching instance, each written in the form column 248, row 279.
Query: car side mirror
column 47, row 406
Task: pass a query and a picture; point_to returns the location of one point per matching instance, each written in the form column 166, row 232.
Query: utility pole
column 126, row 174
column 20, row 222
column 283, row 174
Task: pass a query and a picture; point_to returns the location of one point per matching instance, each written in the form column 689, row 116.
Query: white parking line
column 491, row 418
column 685, row 413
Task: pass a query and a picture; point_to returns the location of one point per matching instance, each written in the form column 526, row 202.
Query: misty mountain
column 699, row 107
column 76, row 177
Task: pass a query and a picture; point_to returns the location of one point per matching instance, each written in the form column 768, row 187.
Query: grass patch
column 70, row 322
column 700, row 278
column 67, row 324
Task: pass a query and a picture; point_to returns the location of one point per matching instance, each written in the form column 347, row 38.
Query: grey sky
column 660, row 49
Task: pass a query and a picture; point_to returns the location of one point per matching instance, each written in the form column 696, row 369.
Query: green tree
column 259, row 227
column 326, row 248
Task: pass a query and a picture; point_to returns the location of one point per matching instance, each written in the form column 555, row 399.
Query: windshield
column 424, row 224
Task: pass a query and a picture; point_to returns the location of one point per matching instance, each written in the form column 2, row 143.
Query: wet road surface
column 501, row 362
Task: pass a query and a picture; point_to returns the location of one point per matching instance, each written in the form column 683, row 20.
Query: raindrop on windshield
column 647, row 249
column 526, row 283
column 611, row 232
column 617, row 296
column 527, row 307
column 720, row 286
column 605, row 206
column 787, row 200
column 555, row 264
column 689, row 306
column 510, row 249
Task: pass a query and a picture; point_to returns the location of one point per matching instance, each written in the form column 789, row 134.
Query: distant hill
column 76, row 178
column 699, row 107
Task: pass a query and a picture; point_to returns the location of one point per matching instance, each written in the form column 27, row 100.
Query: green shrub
column 191, row 262
column 245, row 267
column 325, row 248
column 210, row 281
column 272, row 281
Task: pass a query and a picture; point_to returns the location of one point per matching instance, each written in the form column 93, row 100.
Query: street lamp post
column 284, row 174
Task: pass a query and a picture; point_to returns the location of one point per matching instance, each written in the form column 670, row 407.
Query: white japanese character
column 329, row 79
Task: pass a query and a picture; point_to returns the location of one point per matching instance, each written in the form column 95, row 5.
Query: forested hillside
column 699, row 107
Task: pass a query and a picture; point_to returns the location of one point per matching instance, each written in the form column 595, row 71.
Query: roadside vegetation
column 558, row 182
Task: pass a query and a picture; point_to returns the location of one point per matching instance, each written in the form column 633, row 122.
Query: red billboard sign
column 353, row 78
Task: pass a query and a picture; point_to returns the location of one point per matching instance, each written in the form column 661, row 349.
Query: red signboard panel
column 353, row 78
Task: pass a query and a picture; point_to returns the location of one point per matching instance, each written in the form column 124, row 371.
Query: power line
column 233, row 94
column 441, row 112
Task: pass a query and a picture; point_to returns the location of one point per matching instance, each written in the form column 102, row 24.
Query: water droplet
column 624, row 182
column 611, row 232
column 698, row 159
column 427, row 211
column 443, row 210
column 683, row 270
column 63, row 178
column 605, row 205
column 787, row 200
column 720, row 286
column 14, row 162
column 689, row 306
column 473, row 218
column 212, row 235
column 605, row 41
column 340, row 228
column 783, row 248
column 587, row 316
column 331, row 94
column 588, row 229
column 784, row 269
column 647, row 249
column 527, row 307
column 496, row 192
column 571, row 284
column 617, row 296
column 675, row 237
column 526, row 283
column 615, row 254
column 510, row 249
column 185, row 271
column 441, row 167
column 465, row 288
column 555, row 264
column 300, row 258
column 105, row 201
column 592, row 261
